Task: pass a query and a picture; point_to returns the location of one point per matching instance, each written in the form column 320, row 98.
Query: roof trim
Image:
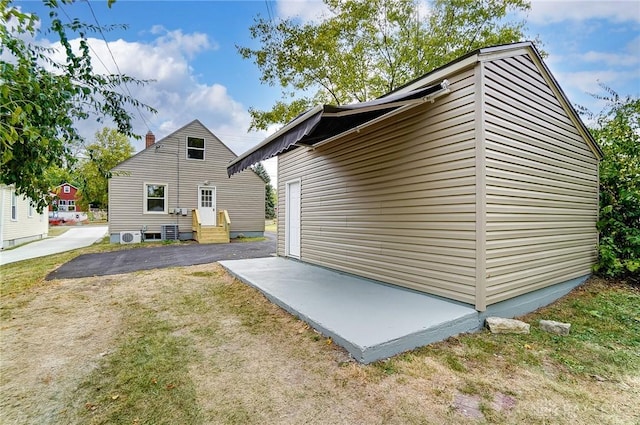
column 506, row 50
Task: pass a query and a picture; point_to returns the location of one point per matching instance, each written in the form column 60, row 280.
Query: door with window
column 292, row 227
column 207, row 205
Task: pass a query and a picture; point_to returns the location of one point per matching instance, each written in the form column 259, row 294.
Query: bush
column 617, row 131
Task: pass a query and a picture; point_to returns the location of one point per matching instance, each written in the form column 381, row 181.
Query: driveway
column 157, row 257
column 74, row 238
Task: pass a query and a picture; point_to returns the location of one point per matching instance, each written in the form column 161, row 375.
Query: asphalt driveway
column 148, row 258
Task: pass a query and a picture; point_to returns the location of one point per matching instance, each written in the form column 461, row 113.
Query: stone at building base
column 499, row 325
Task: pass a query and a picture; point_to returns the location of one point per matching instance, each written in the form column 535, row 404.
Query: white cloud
column 175, row 92
column 610, row 59
column 548, row 11
column 305, row 10
column 190, row 44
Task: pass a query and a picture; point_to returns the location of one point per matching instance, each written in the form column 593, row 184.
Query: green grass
column 604, row 340
column 271, row 226
column 145, row 380
column 248, row 239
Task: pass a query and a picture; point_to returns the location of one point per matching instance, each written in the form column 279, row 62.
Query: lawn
column 192, row 345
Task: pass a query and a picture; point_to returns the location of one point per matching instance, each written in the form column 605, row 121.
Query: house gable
column 176, row 166
column 541, row 182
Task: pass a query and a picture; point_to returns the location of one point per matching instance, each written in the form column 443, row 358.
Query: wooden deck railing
column 224, row 221
column 196, row 226
column 224, row 224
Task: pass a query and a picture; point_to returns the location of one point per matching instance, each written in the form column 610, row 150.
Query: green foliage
column 369, row 47
column 109, row 149
column 618, row 133
column 42, row 100
column 270, row 200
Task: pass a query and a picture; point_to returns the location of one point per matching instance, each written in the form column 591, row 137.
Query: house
column 177, row 188
column 65, row 206
column 476, row 182
column 19, row 220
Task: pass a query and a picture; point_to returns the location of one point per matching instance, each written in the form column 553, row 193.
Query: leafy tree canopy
column 109, row 149
column 367, row 48
column 42, row 100
column 617, row 130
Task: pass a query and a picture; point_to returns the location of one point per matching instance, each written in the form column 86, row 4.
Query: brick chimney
column 149, row 139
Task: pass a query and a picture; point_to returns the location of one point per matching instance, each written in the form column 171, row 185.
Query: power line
column 123, row 82
column 269, row 10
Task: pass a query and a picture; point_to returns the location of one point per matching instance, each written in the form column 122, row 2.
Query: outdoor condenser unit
column 130, row 237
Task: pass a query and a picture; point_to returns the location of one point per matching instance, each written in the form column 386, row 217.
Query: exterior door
column 207, row 205
column 292, row 228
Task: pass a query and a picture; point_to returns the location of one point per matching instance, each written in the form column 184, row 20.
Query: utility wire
column 124, row 83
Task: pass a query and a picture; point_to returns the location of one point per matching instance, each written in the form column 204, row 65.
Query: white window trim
column 166, row 198
column 14, row 205
column 66, row 189
column 204, row 153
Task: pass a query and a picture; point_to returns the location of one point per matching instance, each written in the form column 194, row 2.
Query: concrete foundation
column 372, row 320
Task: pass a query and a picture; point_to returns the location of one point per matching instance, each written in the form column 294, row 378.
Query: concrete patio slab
column 369, row 319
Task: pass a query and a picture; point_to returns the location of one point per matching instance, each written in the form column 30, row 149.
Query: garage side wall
column 395, row 202
column 541, row 185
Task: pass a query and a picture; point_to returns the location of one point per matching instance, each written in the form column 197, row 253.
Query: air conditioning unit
column 169, row 232
column 130, row 237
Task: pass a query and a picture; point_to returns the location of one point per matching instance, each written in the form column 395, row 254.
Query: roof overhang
column 326, row 123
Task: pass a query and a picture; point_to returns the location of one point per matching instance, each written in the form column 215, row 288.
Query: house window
column 155, row 198
column 67, row 189
column 195, row 148
column 71, row 205
column 14, row 206
column 62, row 205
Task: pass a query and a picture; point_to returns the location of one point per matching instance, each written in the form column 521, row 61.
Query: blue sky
column 189, row 48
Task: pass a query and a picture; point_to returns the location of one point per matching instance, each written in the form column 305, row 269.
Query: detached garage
column 477, row 182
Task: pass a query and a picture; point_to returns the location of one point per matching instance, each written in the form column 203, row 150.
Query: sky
column 189, row 49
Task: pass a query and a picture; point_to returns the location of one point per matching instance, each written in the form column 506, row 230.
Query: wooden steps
column 211, row 234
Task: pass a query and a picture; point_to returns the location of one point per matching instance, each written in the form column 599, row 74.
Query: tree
column 109, row 149
column 369, row 47
column 269, row 194
column 617, row 131
column 42, row 100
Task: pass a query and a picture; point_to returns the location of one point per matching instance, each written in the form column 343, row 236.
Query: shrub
column 617, row 131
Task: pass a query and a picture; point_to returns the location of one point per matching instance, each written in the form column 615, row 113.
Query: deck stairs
column 211, row 234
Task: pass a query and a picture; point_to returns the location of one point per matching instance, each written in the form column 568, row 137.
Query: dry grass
column 57, row 230
column 192, row 345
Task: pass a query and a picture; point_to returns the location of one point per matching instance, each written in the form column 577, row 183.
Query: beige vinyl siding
column 541, row 185
column 24, row 228
column 396, row 202
column 242, row 195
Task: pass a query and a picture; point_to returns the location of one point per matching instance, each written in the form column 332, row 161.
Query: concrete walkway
column 370, row 320
column 74, row 238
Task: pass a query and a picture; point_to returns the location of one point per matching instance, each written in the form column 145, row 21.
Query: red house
column 66, row 199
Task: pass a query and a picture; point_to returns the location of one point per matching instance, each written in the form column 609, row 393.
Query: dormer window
column 195, row 148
